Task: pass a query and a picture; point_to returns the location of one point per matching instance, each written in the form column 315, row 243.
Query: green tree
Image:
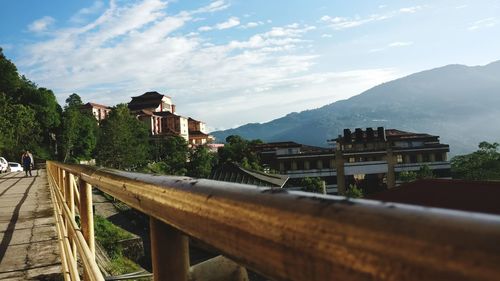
column 425, row 172
column 9, row 77
column 18, row 128
column 239, row 150
column 483, row 164
column 407, row 176
column 354, row 192
column 170, row 154
column 79, row 131
column 201, row 161
column 314, row 184
column 123, row 141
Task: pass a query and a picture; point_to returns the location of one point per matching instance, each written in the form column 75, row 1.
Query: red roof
column 473, row 196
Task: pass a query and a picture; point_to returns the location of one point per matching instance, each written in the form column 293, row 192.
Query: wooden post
column 87, row 214
column 87, row 218
column 70, row 200
column 169, row 252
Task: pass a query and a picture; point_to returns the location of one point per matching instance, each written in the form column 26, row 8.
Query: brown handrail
column 299, row 236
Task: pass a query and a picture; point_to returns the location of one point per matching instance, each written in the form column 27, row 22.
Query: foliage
column 239, row 150
column 18, row 128
column 123, row 140
column 483, row 164
column 354, row 192
column 312, row 185
column 201, row 161
column 108, row 235
column 407, row 176
column 79, row 131
column 29, row 116
column 170, row 154
column 425, row 172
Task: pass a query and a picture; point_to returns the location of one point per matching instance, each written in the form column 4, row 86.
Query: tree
column 9, row 78
column 123, row 142
column 354, row 192
column 79, row 131
column 483, row 164
column 239, row 150
column 201, row 161
column 407, row 176
column 312, row 184
column 170, row 154
column 425, row 172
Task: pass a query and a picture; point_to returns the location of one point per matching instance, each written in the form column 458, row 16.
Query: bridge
column 280, row 234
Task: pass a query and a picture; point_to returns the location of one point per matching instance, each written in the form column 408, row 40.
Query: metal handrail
column 299, row 236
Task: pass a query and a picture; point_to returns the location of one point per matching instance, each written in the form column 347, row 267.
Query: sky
column 232, row 62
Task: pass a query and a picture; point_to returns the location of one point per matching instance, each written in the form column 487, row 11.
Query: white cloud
column 130, row 49
column 396, row 44
column 204, row 28
column 340, row 23
column 410, row 9
column 252, row 24
column 400, row 44
column 41, row 25
column 231, row 22
column 82, row 14
column 483, row 23
column 325, row 35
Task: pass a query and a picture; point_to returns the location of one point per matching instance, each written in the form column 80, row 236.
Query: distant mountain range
column 457, row 102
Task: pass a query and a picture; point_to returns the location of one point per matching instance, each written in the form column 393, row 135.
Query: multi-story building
column 158, row 112
column 99, row 111
column 371, row 159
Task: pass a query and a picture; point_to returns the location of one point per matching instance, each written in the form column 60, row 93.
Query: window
column 352, row 159
column 399, row 158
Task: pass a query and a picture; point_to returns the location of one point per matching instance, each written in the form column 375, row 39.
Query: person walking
column 26, row 160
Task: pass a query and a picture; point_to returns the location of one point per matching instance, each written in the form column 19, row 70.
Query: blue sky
column 231, row 62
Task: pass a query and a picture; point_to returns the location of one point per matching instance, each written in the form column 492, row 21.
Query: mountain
column 457, row 102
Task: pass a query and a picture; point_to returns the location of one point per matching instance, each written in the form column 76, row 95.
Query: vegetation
column 483, row 164
column 170, row 155
column 201, row 161
column 29, row 116
column 407, row 176
column 354, row 192
column 123, row 141
column 79, row 131
column 108, row 235
column 312, row 185
column 239, row 150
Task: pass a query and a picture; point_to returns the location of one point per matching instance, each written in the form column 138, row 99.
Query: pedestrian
column 27, row 162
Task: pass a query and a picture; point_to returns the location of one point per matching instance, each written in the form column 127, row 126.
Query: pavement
column 29, row 248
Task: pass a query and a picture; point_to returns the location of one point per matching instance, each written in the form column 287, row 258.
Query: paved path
column 29, row 249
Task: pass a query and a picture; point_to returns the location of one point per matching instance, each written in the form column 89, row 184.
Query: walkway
column 29, row 248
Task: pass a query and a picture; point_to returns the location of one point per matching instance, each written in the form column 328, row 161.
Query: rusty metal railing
column 299, row 236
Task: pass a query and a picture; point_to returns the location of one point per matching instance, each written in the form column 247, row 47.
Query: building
column 371, row 159
column 158, row 112
column 99, row 111
column 198, row 134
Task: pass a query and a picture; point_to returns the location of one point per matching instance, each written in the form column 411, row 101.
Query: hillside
column 457, row 102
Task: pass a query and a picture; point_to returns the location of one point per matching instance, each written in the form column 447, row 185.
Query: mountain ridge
column 456, row 102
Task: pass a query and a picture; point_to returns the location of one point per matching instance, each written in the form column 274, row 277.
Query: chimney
column 347, row 135
column 359, row 134
column 381, row 133
column 173, row 108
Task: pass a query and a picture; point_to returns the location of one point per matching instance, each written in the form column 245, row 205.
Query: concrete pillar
column 391, row 174
column 339, row 166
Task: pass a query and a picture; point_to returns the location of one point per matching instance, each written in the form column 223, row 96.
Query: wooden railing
column 283, row 235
